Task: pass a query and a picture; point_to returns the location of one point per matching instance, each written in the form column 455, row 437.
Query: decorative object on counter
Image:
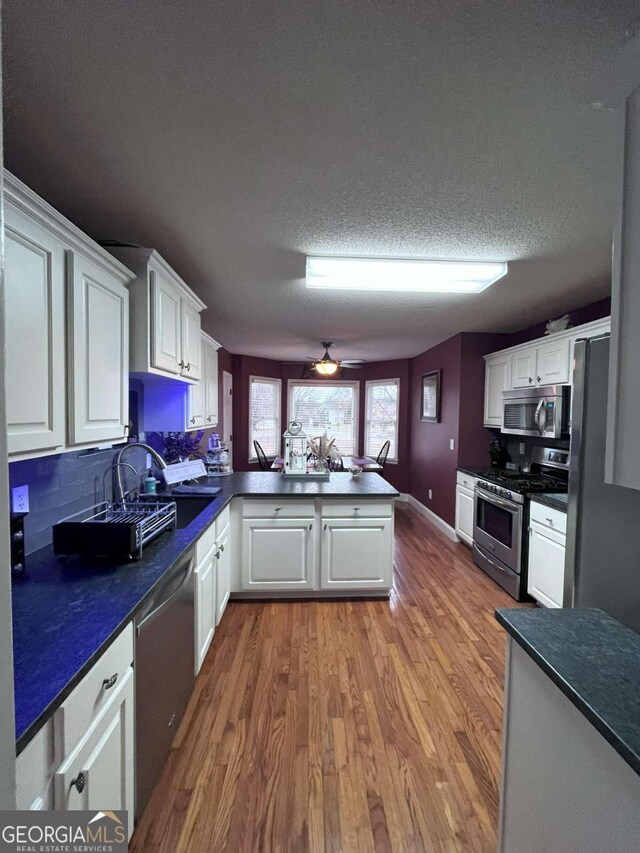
column 178, row 446
column 558, row 325
column 324, row 451
column 150, row 484
column 178, row 472
column 430, row 411
column 214, row 441
column 295, row 451
column 356, row 470
column 218, row 461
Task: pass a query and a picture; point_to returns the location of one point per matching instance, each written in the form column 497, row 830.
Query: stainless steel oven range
column 501, row 515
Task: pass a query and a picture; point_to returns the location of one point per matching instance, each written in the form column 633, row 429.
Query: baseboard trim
column 403, row 497
column 438, row 522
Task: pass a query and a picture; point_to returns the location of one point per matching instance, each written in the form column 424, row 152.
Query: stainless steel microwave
column 542, row 412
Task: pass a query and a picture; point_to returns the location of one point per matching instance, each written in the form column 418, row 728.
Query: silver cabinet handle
column 277, row 509
column 550, row 521
column 325, row 527
column 109, row 682
column 79, row 782
column 311, row 526
column 356, row 509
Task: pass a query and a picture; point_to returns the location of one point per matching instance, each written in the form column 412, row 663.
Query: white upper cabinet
column 622, row 461
column 165, row 318
column 497, row 380
column 210, row 379
column 67, row 329
column 98, row 347
column 35, row 330
column 165, row 335
column 523, row 368
column 546, row 361
column 552, row 367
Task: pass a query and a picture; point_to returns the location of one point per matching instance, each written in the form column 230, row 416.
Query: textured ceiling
column 236, row 137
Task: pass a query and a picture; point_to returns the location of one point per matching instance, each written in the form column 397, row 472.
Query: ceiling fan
column 327, row 366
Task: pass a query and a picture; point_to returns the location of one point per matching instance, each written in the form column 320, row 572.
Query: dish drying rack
column 113, row 529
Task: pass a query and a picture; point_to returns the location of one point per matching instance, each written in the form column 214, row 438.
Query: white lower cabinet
column 464, row 507
column 324, row 545
column 356, row 552
column 547, row 541
column 278, row 553
column 205, row 604
column 223, row 573
column 99, row 773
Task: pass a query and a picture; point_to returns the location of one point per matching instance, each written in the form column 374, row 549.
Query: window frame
column 355, row 384
column 369, row 384
column 270, row 380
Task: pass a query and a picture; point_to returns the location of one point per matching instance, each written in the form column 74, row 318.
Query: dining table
column 365, row 462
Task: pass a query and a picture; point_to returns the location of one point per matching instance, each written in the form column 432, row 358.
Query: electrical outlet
column 148, row 461
column 430, row 495
column 452, row 443
column 20, row 499
column 522, row 448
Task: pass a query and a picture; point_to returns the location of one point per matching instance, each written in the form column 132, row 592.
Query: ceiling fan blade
column 353, row 361
column 351, row 366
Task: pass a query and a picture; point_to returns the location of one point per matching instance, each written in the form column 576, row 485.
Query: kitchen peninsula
column 285, row 539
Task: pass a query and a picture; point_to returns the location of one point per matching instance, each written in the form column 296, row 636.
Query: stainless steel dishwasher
column 164, row 667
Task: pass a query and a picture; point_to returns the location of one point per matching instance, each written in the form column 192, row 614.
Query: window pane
column 326, row 405
column 382, row 419
column 265, row 416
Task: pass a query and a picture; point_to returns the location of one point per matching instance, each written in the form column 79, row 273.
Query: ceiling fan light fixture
column 326, row 368
column 422, row 275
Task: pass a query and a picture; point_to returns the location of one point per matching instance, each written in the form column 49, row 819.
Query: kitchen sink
column 189, row 508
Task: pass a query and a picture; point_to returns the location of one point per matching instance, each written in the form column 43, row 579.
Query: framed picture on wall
column 431, row 397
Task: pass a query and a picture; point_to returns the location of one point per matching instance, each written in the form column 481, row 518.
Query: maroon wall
column 432, row 463
column 245, row 366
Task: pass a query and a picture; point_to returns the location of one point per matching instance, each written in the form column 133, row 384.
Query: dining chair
column 381, row 458
column 263, row 462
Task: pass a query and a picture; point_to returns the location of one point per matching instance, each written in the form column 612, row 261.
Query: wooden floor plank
column 350, row 726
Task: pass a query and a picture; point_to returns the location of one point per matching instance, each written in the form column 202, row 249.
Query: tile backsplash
column 63, row 484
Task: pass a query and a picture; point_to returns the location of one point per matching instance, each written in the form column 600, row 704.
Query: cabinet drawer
column 549, row 517
column 94, row 692
column 278, row 509
column 222, row 521
column 467, row 480
column 357, row 508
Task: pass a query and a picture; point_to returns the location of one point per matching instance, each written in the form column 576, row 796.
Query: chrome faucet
column 117, row 466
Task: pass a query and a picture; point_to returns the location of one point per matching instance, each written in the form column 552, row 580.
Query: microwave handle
column 537, row 416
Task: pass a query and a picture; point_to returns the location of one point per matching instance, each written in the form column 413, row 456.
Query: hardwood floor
column 345, row 726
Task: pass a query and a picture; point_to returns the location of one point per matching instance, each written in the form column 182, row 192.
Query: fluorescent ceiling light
column 397, row 274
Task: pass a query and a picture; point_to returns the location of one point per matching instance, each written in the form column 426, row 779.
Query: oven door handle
column 539, row 424
column 492, row 499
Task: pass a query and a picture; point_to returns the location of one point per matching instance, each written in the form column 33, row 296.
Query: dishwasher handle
column 152, row 616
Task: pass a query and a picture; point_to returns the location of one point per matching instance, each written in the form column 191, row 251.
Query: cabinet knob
column 530, row 380
column 79, row 782
column 209, row 419
column 325, row 527
column 356, row 509
column 550, row 522
column 311, row 526
column 539, row 378
column 218, row 554
column 193, row 420
column 181, row 365
column 188, row 365
column 109, row 682
column 221, row 548
column 277, row 509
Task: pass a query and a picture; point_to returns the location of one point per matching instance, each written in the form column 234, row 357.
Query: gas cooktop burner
column 519, row 482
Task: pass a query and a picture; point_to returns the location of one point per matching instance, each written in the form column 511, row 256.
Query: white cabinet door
column 205, row 574
column 464, row 514
column 357, row 553
column 98, row 344
column 99, row 773
column 278, row 553
column 497, row 379
column 210, row 381
column 166, row 349
column 223, row 588
column 523, row 368
column 553, row 366
column 546, row 565
column 195, row 406
column 191, row 361
column 35, row 330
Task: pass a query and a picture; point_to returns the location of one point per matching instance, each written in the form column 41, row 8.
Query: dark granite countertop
column 594, row 660
column 474, row 470
column 68, row 610
column 556, row 500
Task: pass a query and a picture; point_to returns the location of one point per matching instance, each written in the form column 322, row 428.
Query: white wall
column 7, row 731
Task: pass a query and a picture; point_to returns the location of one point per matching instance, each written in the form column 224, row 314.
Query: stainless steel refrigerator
column 602, row 565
